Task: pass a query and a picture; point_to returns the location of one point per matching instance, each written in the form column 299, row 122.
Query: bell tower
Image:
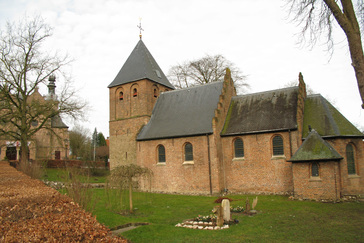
column 132, row 95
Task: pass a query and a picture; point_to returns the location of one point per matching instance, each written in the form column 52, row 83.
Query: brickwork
column 350, row 184
column 325, row 186
column 176, row 174
column 259, row 171
column 131, row 106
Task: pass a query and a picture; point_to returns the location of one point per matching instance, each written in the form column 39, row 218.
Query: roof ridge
column 194, row 87
column 266, row 92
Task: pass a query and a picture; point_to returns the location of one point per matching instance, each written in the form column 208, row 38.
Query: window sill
column 314, row 178
column 239, row 159
column 188, row 162
column 274, row 157
column 161, row 164
column 353, row 176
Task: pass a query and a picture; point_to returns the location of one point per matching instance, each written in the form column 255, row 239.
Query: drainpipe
column 209, row 161
column 290, row 142
column 335, row 182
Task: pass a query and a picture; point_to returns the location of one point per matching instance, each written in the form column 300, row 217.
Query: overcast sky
column 254, row 34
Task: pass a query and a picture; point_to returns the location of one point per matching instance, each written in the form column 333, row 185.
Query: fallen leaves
column 31, row 211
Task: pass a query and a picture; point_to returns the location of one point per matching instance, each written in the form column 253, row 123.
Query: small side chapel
column 206, row 139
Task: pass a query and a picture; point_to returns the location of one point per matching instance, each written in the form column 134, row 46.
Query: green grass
column 279, row 220
column 84, row 175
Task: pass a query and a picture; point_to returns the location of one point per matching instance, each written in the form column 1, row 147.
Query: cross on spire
column 140, row 28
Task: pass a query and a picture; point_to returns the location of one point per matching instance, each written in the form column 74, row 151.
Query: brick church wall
column 259, row 171
column 128, row 115
column 325, row 186
column 350, row 184
column 176, row 175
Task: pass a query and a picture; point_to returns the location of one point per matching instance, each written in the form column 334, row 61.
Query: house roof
column 140, row 65
column 274, row 110
column 326, row 119
column 315, row 148
column 56, row 122
column 184, row 112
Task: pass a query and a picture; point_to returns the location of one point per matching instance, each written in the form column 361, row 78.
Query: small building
column 206, row 139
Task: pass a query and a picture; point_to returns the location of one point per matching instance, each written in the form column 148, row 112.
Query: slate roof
column 140, row 65
column 315, row 148
column 262, row 112
column 56, row 122
column 326, row 119
column 184, row 112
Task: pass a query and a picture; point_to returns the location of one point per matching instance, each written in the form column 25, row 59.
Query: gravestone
column 225, row 204
column 247, row 205
column 219, row 218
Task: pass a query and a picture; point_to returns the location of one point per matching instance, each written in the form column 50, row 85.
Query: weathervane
column 140, row 28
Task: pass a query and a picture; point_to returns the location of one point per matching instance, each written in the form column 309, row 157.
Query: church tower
column 132, row 95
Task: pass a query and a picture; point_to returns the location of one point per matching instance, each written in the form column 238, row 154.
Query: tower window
column 135, row 92
column 121, row 96
column 278, row 146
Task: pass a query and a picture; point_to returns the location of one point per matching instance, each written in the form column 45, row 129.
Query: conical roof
column 140, row 65
column 315, row 148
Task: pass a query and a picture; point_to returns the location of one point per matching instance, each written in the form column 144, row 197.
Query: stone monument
column 225, row 204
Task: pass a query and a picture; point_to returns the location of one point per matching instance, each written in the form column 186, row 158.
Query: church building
column 48, row 143
column 207, row 140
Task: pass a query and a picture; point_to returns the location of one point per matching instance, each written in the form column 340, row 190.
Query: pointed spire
column 140, row 65
column 52, row 87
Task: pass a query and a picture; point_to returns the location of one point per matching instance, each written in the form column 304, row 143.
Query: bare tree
column 80, row 143
column 318, row 17
column 24, row 67
column 205, row 70
column 122, row 178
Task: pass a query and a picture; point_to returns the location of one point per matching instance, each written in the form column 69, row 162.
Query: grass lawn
column 62, row 175
column 279, row 220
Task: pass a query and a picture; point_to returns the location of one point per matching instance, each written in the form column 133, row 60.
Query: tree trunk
column 24, row 153
column 357, row 58
column 349, row 23
column 130, row 195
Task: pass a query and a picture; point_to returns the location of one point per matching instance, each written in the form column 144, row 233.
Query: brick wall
column 259, row 171
column 326, row 186
column 350, row 184
column 176, row 175
column 128, row 116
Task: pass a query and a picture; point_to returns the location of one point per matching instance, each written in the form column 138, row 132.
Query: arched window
column 350, row 159
column 239, row 148
column 135, row 92
column 315, row 169
column 121, row 96
column 277, row 145
column 161, row 154
column 155, row 93
column 188, row 152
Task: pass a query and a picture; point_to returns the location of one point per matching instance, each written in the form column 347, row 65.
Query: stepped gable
column 140, row 65
column 184, row 112
column 326, row 119
column 269, row 111
column 315, row 148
